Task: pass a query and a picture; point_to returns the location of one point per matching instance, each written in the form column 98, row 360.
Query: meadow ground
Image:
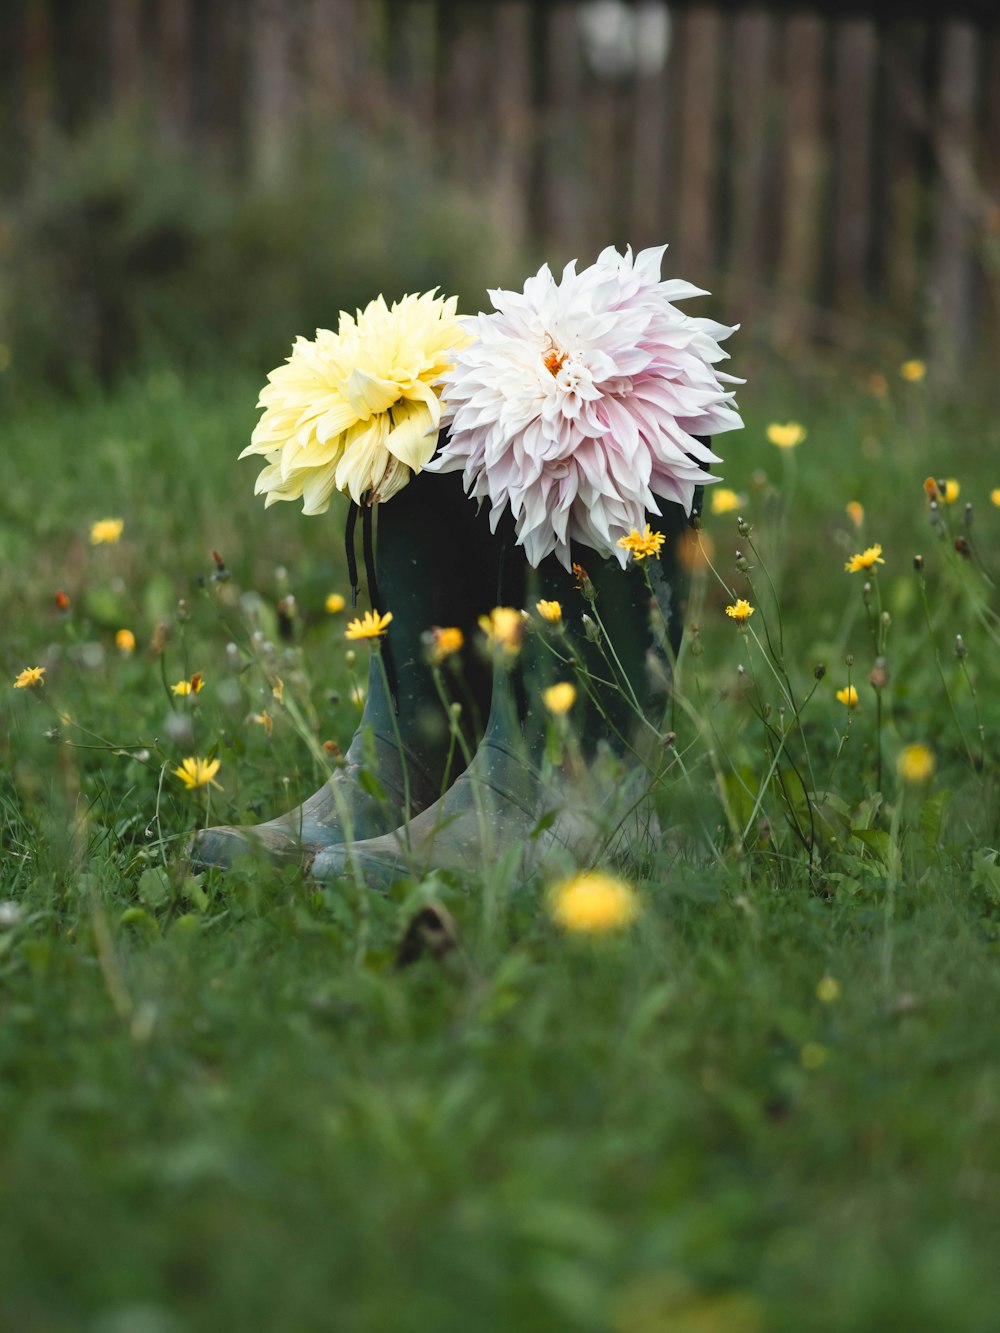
column 772, row 1103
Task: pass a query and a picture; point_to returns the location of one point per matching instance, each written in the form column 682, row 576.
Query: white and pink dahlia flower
column 578, row 403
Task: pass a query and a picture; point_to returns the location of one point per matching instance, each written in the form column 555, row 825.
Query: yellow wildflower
column 642, row 544
column 106, row 530
column 848, row 696
column 916, row 764
column 913, row 370
column 550, row 611
column 786, row 436
column 995, row 496
column 812, row 1055
column 335, row 602
column 371, row 626
column 278, row 690
column 559, row 698
column 866, row 559
column 951, row 491
column 193, row 686
column 265, row 720
column 444, row 642
column 125, row 641
column 828, row 990
column 29, row 677
column 593, row 903
column 197, row 772
column 725, row 501
column 741, row 611
column 855, row 511
column 504, row 629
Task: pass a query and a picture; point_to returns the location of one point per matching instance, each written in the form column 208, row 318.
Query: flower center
column 554, row 361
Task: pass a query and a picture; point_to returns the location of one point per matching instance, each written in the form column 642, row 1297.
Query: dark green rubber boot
column 437, row 566
column 516, row 798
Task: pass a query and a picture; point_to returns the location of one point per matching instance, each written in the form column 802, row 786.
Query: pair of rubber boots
column 551, row 791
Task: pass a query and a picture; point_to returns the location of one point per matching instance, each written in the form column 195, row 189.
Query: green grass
column 224, row 1106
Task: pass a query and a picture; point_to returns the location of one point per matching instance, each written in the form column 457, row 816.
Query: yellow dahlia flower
column 357, row 410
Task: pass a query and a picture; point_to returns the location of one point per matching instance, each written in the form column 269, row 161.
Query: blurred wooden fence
column 828, row 175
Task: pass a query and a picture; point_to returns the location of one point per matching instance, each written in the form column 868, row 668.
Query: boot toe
column 224, row 845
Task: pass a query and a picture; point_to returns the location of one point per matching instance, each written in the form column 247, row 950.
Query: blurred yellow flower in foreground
column 695, row 550
column 29, row 677
column 995, row 496
column 334, row 603
column 855, row 511
column 642, row 544
column 593, row 903
column 725, row 501
column 371, row 626
column 916, row 764
column 848, row 696
column 106, row 530
column 913, row 370
column 504, row 628
column 550, row 611
column 197, row 772
column 125, row 641
column 559, row 698
column 866, row 559
column 193, row 686
column 786, row 436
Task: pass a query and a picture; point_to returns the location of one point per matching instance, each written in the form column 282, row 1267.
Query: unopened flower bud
column 455, row 709
column 866, row 594
column 967, row 516
column 590, row 629
column 886, row 618
column 960, row 648
column 878, row 677
column 962, row 547
column 183, row 612
column 743, row 527
column 350, row 657
column 849, row 660
column 918, row 563
column 668, row 740
column 819, row 671
column 742, row 564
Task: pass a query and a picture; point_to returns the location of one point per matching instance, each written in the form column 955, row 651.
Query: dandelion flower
column 725, row 501
column 855, row 511
column 741, row 611
column 848, row 696
column 578, row 403
column 504, row 629
column 995, row 496
column 951, row 491
column 787, row 436
column 445, row 642
column 913, row 371
column 197, row 772
column 29, row 678
column 559, row 698
column 866, row 559
column 334, row 603
column 106, row 531
column 125, row 642
column 193, row 686
column 370, row 626
column 828, row 990
column 642, row 544
column 550, row 611
column 358, row 410
column 915, row 764
column 593, row 903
